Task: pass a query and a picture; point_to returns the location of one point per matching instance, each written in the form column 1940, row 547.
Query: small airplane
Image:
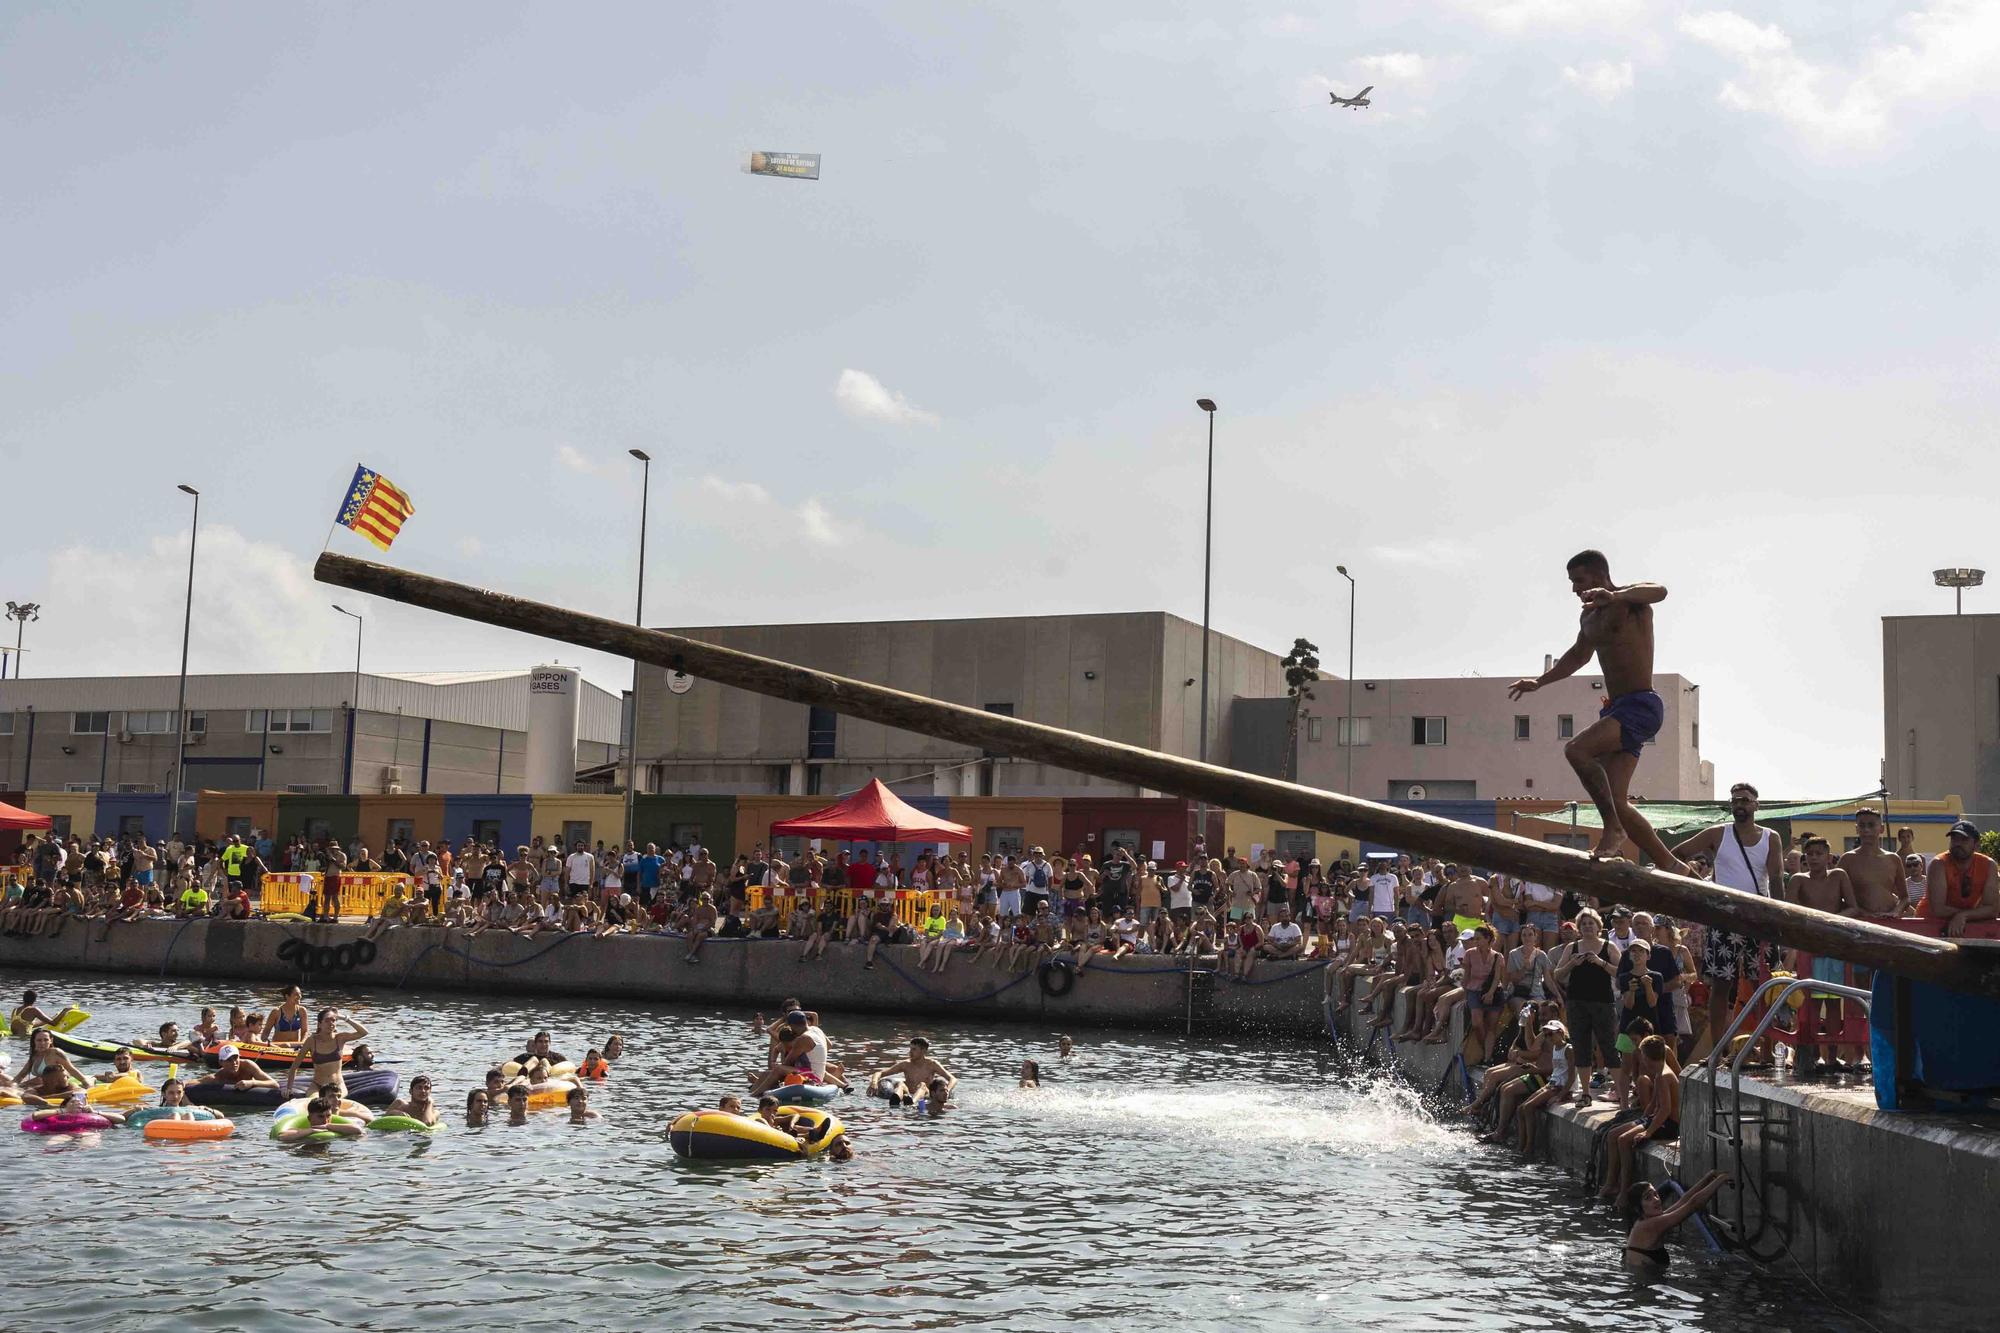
column 1357, row 101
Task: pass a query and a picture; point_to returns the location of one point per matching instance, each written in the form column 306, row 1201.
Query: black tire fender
column 324, row 958
column 1057, row 976
column 364, row 952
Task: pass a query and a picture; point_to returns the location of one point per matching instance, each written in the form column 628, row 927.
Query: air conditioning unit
column 193, row 737
column 124, row 738
column 391, row 773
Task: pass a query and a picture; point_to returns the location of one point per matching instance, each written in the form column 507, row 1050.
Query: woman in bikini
column 1652, row 1221
column 326, row 1045
column 48, row 1075
column 286, row 1024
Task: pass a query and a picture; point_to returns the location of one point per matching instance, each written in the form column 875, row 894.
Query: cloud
column 1947, row 53
column 1517, row 16
column 470, row 546
column 1438, row 553
column 862, row 395
column 578, row 461
column 1394, row 65
column 1601, row 79
column 237, row 582
column 810, row 518
column 735, row 492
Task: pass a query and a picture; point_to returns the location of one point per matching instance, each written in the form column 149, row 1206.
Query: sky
column 1712, row 289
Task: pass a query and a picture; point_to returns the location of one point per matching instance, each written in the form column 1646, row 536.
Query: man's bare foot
column 1610, row 844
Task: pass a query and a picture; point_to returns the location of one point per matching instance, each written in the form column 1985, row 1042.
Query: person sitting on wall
column 1285, row 938
column 1961, row 887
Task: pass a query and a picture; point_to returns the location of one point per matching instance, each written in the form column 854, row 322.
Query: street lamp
column 1207, row 542
column 180, row 708
column 1958, row 580
column 1349, row 722
column 639, row 619
column 354, row 703
column 20, row 613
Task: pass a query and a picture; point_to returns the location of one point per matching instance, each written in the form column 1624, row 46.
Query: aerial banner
column 796, row 166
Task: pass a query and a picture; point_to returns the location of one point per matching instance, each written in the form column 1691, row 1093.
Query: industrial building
column 1941, row 709
column 303, row 733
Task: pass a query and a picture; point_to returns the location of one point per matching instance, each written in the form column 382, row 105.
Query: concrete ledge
column 1133, row 992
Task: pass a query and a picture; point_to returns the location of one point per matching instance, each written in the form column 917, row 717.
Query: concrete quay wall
column 754, row 974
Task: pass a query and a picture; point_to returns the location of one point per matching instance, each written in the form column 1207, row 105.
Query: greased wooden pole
column 1846, row 938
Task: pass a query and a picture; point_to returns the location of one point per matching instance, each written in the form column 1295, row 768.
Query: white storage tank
column 552, row 708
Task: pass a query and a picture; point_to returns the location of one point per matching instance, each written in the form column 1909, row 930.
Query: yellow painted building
column 569, row 818
column 1247, row 833
column 1930, row 821
column 75, row 812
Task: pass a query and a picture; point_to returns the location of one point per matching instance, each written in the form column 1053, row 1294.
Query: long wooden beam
column 1856, row 941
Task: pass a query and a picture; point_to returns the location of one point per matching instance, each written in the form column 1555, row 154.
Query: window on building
column 1521, row 727
column 1697, row 735
column 138, row 788
column 1004, row 841
column 1128, row 838
column 89, row 724
column 284, row 719
column 82, row 786
column 402, row 830
column 6, row 724
column 1427, row 731
column 822, row 729
column 318, row 830
column 486, row 831
column 160, row 722
column 1312, row 729
column 1353, row 730
column 814, row 776
column 1295, row 844
column 686, row 835
column 781, row 779
column 1565, row 726
column 1000, row 710
column 131, row 826
column 238, row 826
column 575, row 831
column 307, row 788
column 59, row 827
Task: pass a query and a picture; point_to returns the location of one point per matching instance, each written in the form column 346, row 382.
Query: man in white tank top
column 1748, row 858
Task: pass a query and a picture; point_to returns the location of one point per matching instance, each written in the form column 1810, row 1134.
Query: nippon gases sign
column 545, row 681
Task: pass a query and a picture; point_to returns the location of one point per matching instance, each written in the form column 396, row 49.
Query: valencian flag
column 374, row 508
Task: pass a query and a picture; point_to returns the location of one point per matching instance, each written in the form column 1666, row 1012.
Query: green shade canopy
column 1676, row 820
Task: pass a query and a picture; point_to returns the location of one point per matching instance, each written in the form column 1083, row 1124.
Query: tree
column 1301, row 671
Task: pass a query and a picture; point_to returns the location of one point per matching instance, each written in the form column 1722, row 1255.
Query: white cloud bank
column 810, row 518
column 1943, row 54
column 1605, row 80
column 863, row 396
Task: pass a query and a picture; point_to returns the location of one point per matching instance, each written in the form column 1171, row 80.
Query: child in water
column 579, row 1107
column 475, row 1108
column 1031, row 1074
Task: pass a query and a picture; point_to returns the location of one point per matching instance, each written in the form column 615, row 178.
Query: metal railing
column 1734, row 1116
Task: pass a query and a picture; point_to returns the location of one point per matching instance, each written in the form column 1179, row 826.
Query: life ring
column 364, row 952
column 343, row 957
column 324, row 958
column 1057, row 976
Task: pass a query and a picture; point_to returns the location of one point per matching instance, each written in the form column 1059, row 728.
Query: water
column 1210, row 1184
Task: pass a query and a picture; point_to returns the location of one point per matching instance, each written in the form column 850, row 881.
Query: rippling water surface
column 1212, row 1183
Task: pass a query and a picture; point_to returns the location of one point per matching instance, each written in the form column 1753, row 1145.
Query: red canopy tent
column 14, row 817
column 873, row 814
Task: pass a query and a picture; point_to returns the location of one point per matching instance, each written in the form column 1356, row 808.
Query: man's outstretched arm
column 1565, row 666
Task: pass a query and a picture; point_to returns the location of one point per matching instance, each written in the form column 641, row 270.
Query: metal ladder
column 1726, row 1124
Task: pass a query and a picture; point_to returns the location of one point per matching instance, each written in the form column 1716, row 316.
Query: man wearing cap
column 1037, row 879
column 233, row 1071
column 1960, row 888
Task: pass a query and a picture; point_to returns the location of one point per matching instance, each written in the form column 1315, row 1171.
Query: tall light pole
column 1958, row 580
column 20, row 613
column 1349, row 721
column 354, row 700
column 1207, row 547
column 180, row 708
column 638, row 618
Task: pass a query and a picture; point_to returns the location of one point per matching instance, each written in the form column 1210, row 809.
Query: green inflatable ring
column 390, row 1124
column 299, row 1122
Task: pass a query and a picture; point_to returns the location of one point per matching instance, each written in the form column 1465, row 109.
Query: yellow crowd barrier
column 912, row 906
column 12, row 875
column 360, row 894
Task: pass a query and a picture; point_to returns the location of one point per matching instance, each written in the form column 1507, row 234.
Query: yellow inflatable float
column 719, row 1135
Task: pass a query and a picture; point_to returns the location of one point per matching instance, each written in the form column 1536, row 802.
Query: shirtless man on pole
column 1617, row 626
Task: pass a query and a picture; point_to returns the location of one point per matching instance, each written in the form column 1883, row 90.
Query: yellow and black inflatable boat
column 718, row 1135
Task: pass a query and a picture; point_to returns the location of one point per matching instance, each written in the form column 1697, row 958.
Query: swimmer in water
column 319, row 1120
column 417, row 1103
column 27, row 1016
column 1065, row 1048
column 475, row 1108
column 234, row 1071
column 1031, row 1074
column 173, row 1093
column 287, row 1023
column 579, row 1107
column 1652, row 1221
column 77, row 1102
column 48, row 1074
column 326, row 1046
column 517, row 1104
column 730, row 1104
column 779, row 1117
column 539, row 1058
column 594, row 1065
column 918, row 1070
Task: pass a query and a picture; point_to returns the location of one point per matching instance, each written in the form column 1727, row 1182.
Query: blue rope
column 483, row 962
column 1272, row 981
column 175, row 940
column 930, row 994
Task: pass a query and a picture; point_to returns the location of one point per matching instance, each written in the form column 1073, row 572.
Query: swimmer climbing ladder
column 1845, row 938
